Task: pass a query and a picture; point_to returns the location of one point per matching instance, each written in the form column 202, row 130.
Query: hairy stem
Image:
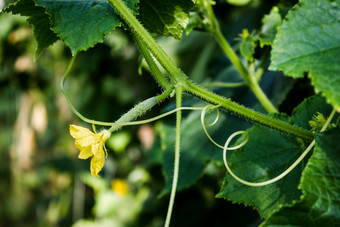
column 246, row 113
column 140, row 32
column 230, row 53
column 261, row 96
column 177, row 77
column 152, row 64
column 179, row 93
column 250, row 79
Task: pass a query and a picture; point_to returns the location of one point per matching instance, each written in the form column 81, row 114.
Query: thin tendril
column 102, row 123
column 74, row 110
column 204, row 124
column 255, row 184
column 232, row 136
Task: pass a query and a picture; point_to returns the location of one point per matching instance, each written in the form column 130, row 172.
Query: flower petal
column 85, row 152
column 84, row 137
column 87, row 141
column 79, row 132
column 98, row 159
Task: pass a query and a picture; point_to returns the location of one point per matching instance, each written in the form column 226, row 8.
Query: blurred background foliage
column 43, row 183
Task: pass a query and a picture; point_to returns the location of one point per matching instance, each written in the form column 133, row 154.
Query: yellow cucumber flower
column 120, row 186
column 90, row 144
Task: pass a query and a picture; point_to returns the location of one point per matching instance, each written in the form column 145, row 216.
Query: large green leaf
column 83, row 23
column 267, row 154
column 38, row 19
column 321, row 179
column 166, row 17
column 321, row 188
column 308, row 41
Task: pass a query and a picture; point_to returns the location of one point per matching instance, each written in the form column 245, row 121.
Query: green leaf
column 81, row 24
column 321, row 179
column 197, row 21
column 38, row 19
column 247, row 45
column 308, row 41
column 270, row 23
column 321, row 188
column 307, row 110
column 166, row 17
column 265, row 156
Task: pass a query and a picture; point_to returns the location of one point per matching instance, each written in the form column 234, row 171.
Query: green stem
column 248, row 78
column 225, row 84
column 153, row 66
column 228, row 50
column 338, row 122
column 138, row 29
column 137, row 111
column 74, row 110
column 329, row 119
column 178, row 77
column 261, row 96
column 262, row 65
column 210, row 13
column 179, row 94
column 246, row 113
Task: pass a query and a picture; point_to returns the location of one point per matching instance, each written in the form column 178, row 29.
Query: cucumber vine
column 293, row 132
